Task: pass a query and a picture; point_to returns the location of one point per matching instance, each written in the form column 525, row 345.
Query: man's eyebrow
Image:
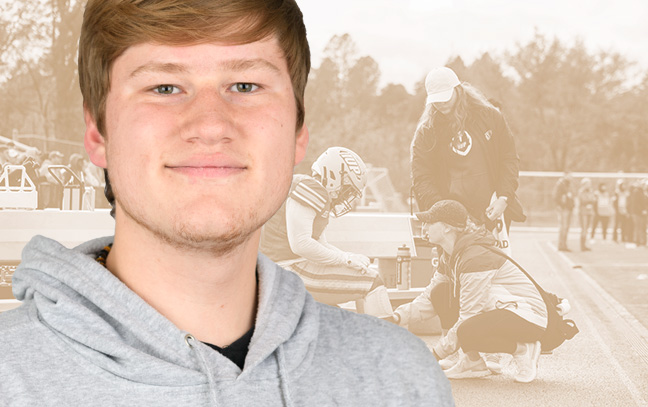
column 238, row 65
column 159, row 67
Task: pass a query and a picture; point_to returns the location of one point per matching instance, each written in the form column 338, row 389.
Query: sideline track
column 633, row 331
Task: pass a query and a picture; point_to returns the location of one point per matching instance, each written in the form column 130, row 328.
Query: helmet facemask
column 346, row 195
column 344, row 175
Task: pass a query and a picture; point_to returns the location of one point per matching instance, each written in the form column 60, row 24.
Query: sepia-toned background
column 571, row 78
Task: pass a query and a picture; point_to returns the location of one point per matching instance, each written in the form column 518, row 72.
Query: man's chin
column 200, row 234
column 214, row 242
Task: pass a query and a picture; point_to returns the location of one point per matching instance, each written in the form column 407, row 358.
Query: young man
column 195, row 108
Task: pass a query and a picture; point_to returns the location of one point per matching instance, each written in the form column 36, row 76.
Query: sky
column 409, row 37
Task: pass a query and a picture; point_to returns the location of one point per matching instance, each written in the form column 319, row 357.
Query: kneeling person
column 295, row 236
column 497, row 309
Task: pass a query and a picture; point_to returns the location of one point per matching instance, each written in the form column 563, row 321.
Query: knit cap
column 447, row 211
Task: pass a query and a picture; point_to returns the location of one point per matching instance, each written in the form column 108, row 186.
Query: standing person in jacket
column 498, row 309
column 638, row 209
column 195, row 109
column 295, row 236
column 622, row 222
column 603, row 210
column 464, row 150
column 586, row 205
column 564, row 200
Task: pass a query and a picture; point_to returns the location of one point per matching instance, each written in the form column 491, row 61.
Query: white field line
column 637, row 326
column 621, row 265
column 621, row 374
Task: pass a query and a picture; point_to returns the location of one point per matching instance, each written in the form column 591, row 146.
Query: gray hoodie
column 82, row 338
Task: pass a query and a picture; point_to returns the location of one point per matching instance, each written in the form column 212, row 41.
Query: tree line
column 569, row 108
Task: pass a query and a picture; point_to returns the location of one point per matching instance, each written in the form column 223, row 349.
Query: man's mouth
column 208, row 166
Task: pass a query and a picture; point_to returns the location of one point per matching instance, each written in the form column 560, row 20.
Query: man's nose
column 208, row 119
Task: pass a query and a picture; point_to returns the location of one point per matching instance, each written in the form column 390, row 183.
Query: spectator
column 622, row 219
column 464, row 150
column 586, row 203
column 638, row 209
column 603, row 210
column 12, row 156
column 564, row 201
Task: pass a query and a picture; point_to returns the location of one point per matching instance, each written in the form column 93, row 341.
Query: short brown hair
column 112, row 26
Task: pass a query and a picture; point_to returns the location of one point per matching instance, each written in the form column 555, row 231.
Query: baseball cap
column 439, row 84
column 447, row 211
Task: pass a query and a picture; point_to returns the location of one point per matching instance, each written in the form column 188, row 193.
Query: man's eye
column 244, row 87
column 166, row 89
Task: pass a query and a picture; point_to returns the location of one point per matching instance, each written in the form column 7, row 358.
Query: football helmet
column 344, row 175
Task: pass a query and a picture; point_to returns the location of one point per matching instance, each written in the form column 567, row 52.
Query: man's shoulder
column 16, row 330
column 385, row 359
column 14, row 320
column 344, row 330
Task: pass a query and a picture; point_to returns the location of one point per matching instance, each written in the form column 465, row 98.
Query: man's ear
column 95, row 143
column 301, row 144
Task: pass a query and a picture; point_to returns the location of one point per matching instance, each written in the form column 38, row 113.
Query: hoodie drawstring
column 281, row 361
column 283, row 376
column 189, row 340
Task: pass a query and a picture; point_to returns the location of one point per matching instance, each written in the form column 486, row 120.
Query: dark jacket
column 637, row 201
column 562, row 194
column 429, row 156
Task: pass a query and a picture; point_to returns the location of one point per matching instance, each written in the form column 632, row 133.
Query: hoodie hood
column 102, row 320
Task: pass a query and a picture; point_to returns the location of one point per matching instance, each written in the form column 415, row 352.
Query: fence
column 536, row 191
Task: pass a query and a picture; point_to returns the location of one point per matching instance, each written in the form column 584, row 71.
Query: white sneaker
column 450, row 361
column 527, row 362
column 467, row 369
column 493, row 362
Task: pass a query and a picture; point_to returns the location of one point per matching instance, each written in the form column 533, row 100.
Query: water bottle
column 403, row 268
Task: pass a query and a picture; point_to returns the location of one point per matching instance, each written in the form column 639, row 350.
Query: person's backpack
column 558, row 329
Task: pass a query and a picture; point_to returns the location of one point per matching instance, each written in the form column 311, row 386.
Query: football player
column 295, row 236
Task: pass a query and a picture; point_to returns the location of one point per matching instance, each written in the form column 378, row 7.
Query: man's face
column 200, row 140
